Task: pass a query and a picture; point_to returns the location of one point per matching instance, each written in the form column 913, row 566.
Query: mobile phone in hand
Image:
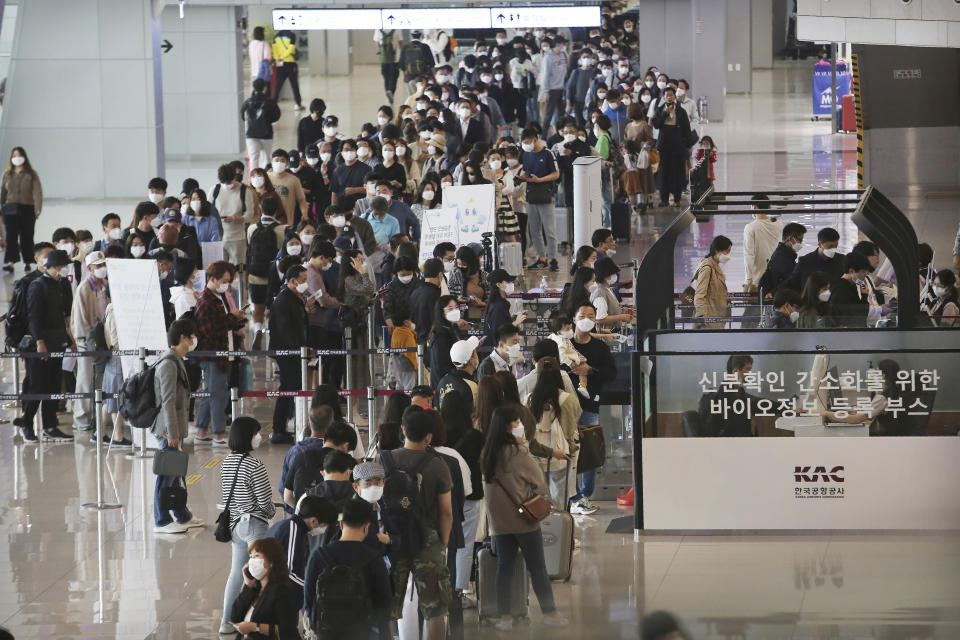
column 246, row 572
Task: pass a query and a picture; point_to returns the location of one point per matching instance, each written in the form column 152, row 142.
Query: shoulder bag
column 533, row 510
column 223, row 531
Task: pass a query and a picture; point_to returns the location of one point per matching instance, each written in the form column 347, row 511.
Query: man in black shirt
column 848, row 293
column 783, row 260
column 825, row 258
column 423, row 299
column 48, row 307
column 347, row 184
column 308, row 465
column 288, row 330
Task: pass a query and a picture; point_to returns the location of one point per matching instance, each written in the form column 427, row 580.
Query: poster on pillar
column 822, row 85
column 476, row 210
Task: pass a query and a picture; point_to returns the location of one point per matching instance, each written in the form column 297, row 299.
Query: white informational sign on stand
column 437, row 225
column 801, row 483
column 137, row 308
column 476, row 210
column 587, row 204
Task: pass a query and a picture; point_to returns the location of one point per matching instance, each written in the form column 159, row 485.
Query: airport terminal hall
column 476, row 320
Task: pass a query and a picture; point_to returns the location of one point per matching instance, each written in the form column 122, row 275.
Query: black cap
column 294, row 157
column 544, row 348
column 312, row 151
column 56, row 258
column 499, row 275
column 317, row 507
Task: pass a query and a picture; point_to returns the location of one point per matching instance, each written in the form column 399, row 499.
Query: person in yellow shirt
column 403, row 337
column 285, row 63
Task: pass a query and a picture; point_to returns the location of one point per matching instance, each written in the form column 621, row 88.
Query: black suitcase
column 620, row 212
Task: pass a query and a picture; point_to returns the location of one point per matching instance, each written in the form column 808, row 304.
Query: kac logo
column 818, row 474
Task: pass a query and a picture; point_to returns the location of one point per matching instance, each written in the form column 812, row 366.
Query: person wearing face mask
column 217, row 325
column 583, row 285
column 112, row 232
column 553, row 73
column 259, row 112
column 848, row 294
column 423, row 302
column 288, row 330
column 825, row 258
column 815, row 311
column 710, row 296
column 203, row 218
column 416, row 58
column 353, row 552
column 399, row 290
column 760, row 239
column 234, row 203
column 577, row 85
column 506, row 356
column 447, row 328
column 89, row 308
column 184, row 295
column 315, row 178
column 245, row 490
column 310, row 127
column 287, row 186
column 609, row 310
column 357, row 291
column 66, row 240
column 786, row 313
column 502, row 285
column 172, row 389
column 369, row 479
column 551, row 403
column 948, row 300
column 783, row 260
column 673, row 143
column 49, row 298
column 436, row 154
column 21, row 198
column 314, row 517
column 347, row 185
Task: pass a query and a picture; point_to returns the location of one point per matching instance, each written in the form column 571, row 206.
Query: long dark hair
column 720, row 243
column 583, row 254
column 489, row 397
column 811, row 293
column 498, row 437
column 27, row 167
column 393, row 410
column 346, row 270
column 577, row 295
column 547, row 390
column 439, row 319
column 511, row 393
column 326, row 395
column 455, row 414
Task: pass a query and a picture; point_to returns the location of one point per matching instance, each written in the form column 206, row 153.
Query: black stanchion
column 100, row 504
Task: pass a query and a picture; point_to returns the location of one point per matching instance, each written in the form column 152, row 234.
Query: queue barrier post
column 348, row 343
column 15, row 404
column 420, row 373
column 371, row 410
column 301, row 403
column 371, row 343
column 143, row 453
column 234, row 403
column 268, row 374
column 100, row 504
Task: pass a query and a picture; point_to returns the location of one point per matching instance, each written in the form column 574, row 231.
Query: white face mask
column 596, row 132
column 508, row 288
column 138, row 251
column 623, row 71
column 612, row 280
column 428, row 195
column 194, row 342
column 797, row 246
column 592, row 286
column 338, row 221
column 401, row 151
column 681, row 92
column 569, row 137
column 155, row 198
column 498, row 77
column 318, row 531
column 495, row 164
column 371, row 190
column 518, row 433
column 601, row 95
column 939, row 291
column 648, row 83
column 425, row 135
column 255, row 441
column 824, row 296
column 349, row 156
column 513, row 351
column 222, row 288
column 302, row 287
column 116, row 233
column 306, row 238
column 723, row 257
column 195, row 205
column 294, row 249
column 257, row 181
column 661, row 85
column 278, row 167
column 386, row 196
column 567, row 334
column 586, row 325
column 452, row 316
column 432, row 150
column 512, row 162
column 17, row 160
column 382, row 120
column 405, row 279
column 527, row 147
column 582, row 138
column 325, row 156
column 794, row 316
column 387, row 154
column 100, row 272
column 312, row 162
column 338, row 259
column 371, row 494
column 257, row 568
column 329, row 131
column 829, row 253
column 363, row 152
column 448, row 267
column 87, row 246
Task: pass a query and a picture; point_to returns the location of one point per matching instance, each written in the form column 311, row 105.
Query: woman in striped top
column 251, row 507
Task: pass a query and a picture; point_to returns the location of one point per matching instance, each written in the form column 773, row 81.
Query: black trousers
column 42, row 376
column 672, row 174
column 289, row 72
column 289, row 381
column 18, row 230
column 390, row 72
column 333, row 366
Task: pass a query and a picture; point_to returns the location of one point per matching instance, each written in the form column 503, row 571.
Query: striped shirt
column 252, row 493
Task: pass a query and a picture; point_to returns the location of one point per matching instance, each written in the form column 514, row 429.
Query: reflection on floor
column 71, row 573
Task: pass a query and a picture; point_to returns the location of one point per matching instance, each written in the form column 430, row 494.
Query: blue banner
column 822, row 89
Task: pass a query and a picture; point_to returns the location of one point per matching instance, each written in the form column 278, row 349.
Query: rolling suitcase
column 511, row 258
column 487, row 587
column 620, row 219
column 557, row 531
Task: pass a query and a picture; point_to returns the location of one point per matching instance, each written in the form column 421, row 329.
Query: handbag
column 593, row 448
column 10, row 209
column 688, row 294
column 532, row 509
column 172, row 498
column 223, row 532
column 170, row 462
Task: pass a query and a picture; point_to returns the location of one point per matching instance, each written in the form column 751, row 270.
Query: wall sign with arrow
column 166, row 46
column 466, row 18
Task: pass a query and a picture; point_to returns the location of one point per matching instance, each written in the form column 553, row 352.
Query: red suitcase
column 848, row 115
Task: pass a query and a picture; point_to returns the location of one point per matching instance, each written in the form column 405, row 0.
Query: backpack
column 262, row 249
column 342, row 602
column 264, row 72
column 309, row 475
column 15, row 320
column 449, row 47
column 413, row 64
column 243, row 196
column 137, row 399
column 387, row 53
column 402, row 504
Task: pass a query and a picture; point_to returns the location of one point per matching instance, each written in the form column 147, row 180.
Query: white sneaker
column 554, row 619
column 173, row 527
column 188, row 440
column 219, row 443
column 580, row 508
column 195, row 523
column 504, row 624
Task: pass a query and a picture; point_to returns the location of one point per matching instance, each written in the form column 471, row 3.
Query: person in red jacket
column 708, row 150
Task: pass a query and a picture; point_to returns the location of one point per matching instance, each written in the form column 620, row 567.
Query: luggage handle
column 566, row 482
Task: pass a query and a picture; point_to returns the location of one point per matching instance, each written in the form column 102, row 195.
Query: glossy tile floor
column 72, row 573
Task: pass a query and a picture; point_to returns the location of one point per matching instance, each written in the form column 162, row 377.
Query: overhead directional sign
column 465, row 18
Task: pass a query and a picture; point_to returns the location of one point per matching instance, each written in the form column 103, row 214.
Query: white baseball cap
column 94, row 257
column 462, row 350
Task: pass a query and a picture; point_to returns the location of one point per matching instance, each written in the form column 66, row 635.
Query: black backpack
column 403, row 505
column 342, row 603
column 15, row 320
column 309, row 474
column 413, row 62
column 137, row 399
column 262, row 249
